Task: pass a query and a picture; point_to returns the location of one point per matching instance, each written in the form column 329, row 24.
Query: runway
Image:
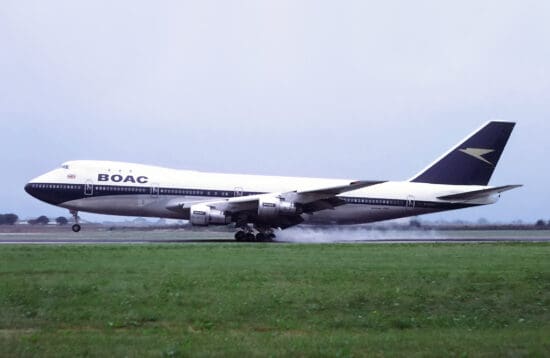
column 291, row 237
column 39, row 241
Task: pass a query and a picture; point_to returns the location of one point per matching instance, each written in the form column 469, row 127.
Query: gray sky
column 350, row 89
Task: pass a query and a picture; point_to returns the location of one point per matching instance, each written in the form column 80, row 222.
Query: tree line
column 8, row 219
column 541, row 223
column 12, row 219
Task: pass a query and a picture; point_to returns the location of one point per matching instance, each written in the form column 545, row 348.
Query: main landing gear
column 76, row 227
column 247, row 234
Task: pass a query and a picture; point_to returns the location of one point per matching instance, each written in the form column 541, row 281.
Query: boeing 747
column 259, row 205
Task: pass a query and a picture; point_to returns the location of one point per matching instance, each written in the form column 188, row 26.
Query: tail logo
column 478, row 153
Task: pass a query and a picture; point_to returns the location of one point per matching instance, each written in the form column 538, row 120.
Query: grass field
column 276, row 300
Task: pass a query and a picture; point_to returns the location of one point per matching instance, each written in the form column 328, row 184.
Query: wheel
column 250, row 237
column 240, row 235
column 76, row 228
column 271, row 236
column 260, row 236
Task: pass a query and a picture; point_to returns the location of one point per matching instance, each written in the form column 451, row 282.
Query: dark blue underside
column 57, row 194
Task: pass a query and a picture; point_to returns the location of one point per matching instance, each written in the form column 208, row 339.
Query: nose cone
column 51, row 191
column 42, row 192
column 32, row 190
column 44, row 187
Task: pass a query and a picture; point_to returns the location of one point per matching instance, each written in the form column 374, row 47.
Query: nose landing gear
column 76, row 227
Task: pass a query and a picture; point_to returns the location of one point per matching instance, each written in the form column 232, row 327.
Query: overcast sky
column 342, row 89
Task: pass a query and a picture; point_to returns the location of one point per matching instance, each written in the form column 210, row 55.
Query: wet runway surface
column 290, row 236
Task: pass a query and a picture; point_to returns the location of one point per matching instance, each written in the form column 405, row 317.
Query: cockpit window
column 65, row 166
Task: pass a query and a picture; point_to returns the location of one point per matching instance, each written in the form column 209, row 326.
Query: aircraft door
column 238, row 191
column 155, row 190
column 89, row 188
column 410, row 203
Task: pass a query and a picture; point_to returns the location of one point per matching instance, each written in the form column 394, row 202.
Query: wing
column 306, row 201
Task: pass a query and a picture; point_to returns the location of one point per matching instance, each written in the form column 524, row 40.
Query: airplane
column 258, row 205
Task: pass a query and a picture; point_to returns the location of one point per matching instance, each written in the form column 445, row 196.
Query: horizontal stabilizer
column 477, row 194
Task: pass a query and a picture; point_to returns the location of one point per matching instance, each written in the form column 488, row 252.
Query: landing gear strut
column 76, row 227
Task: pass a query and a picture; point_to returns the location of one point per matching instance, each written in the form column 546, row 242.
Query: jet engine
column 269, row 208
column 203, row 215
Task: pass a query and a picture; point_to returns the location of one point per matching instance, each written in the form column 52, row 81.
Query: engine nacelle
column 203, row 215
column 272, row 207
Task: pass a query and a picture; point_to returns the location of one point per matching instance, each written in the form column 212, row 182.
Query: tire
column 260, row 237
column 240, row 235
column 250, row 237
column 76, row 228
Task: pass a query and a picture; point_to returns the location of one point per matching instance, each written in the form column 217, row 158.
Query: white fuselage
column 117, row 188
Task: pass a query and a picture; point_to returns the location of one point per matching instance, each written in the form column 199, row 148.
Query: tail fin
column 471, row 162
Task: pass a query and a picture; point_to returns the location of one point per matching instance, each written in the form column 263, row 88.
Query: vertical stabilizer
column 471, row 162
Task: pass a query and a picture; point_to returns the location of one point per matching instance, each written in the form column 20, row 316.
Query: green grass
column 275, row 300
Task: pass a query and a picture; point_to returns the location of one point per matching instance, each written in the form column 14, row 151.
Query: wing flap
column 335, row 190
column 323, row 204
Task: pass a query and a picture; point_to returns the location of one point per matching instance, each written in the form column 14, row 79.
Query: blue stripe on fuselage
column 58, row 193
